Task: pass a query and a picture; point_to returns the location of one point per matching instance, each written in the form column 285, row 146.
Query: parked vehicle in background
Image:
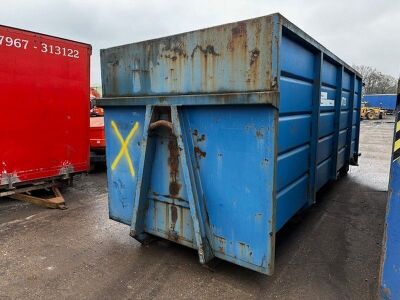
column 371, row 113
column 44, row 83
column 97, row 139
column 386, row 102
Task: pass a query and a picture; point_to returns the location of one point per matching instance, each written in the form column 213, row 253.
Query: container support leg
column 57, row 201
column 197, row 209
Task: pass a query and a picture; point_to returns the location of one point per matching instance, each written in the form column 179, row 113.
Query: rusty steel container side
column 44, row 83
column 217, row 60
column 217, row 137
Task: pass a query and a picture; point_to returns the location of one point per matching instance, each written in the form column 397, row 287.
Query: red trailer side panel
column 44, row 104
column 97, row 137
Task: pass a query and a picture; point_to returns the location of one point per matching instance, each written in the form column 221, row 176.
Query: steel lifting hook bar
column 160, row 123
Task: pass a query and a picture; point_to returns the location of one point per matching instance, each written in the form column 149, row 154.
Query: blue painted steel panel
column 325, row 148
column 357, row 104
column 342, row 139
column 355, row 117
column 121, row 184
column 329, row 73
column 324, row 173
column 353, row 147
column 216, row 138
column 290, row 200
column 341, row 158
column 390, row 262
column 294, row 131
column 357, row 107
column 292, row 165
column 354, row 133
column 296, row 60
column 240, row 200
column 326, row 124
column 345, row 101
column 390, row 269
column 344, row 115
column 346, row 81
column 296, row 96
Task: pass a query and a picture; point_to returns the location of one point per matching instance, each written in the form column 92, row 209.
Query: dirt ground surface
column 330, row 251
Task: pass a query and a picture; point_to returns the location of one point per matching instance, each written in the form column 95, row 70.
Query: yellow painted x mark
column 124, row 147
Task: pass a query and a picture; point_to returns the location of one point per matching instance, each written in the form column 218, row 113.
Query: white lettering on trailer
column 8, row 41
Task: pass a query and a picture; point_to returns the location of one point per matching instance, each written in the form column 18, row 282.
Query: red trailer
column 97, row 136
column 44, row 123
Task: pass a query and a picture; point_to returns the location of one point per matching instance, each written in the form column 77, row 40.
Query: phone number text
column 8, row 41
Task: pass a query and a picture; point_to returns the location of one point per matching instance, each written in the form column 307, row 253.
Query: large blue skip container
column 217, row 137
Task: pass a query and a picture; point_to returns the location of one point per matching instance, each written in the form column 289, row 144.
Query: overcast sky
column 358, row 31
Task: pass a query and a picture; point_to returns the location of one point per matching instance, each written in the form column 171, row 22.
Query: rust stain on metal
column 222, row 243
column 174, row 50
column 240, row 30
column 254, row 72
column 209, row 49
column 264, row 162
column 254, row 54
column 387, row 292
column 174, row 215
column 259, row 133
column 238, row 49
column 259, row 216
column 173, row 163
column 200, row 153
column 202, row 138
column 238, row 42
column 198, row 137
column 178, row 48
column 245, row 250
column 208, row 57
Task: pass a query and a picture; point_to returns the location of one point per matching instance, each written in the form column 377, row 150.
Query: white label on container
column 325, row 101
column 344, row 101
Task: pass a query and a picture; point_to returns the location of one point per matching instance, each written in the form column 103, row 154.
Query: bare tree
column 376, row 82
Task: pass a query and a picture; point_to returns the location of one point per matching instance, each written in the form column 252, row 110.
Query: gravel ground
column 331, row 251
